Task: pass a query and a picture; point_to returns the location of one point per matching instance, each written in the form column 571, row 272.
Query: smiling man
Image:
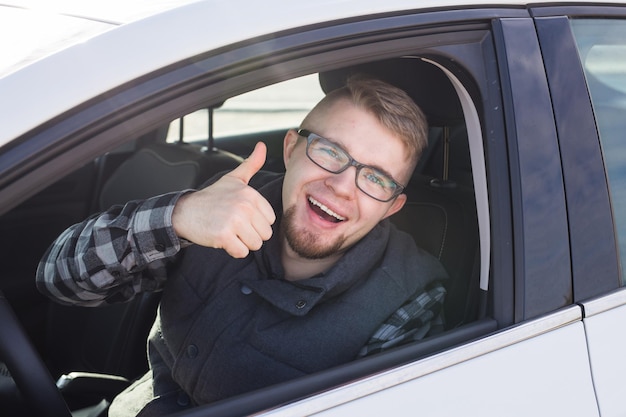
column 265, row 277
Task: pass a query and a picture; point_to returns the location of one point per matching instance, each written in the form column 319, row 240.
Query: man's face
column 325, row 213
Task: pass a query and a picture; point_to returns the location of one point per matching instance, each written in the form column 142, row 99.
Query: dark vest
column 227, row 326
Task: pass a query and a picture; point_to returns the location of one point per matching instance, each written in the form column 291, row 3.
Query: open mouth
column 324, row 212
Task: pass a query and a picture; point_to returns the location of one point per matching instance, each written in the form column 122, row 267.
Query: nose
column 343, row 184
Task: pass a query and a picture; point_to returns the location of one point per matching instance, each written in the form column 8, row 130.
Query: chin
column 308, row 244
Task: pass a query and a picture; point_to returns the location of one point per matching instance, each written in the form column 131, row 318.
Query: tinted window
column 602, row 47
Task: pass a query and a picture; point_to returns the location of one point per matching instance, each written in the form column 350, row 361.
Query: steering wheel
column 27, row 369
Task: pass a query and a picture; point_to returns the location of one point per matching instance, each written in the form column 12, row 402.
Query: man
column 280, row 276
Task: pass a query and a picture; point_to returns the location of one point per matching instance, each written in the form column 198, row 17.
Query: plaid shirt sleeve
column 112, row 256
column 420, row 316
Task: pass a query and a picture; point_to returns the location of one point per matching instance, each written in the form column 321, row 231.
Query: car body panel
column 472, row 377
column 21, row 45
column 606, row 349
column 33, row 29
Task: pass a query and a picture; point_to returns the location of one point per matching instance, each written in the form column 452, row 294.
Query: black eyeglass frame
column 309, row 136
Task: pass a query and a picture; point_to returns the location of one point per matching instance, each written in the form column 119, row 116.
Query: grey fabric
column 161, row 168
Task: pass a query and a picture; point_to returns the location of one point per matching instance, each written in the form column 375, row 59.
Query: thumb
column 251, row 165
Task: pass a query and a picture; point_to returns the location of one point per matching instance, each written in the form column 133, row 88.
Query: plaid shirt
column 111, row 257
column 420, row 316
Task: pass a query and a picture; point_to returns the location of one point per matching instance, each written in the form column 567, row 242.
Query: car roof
column 112, row 45
column 32, row 29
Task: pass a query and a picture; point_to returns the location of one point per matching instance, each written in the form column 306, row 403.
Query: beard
column 304, row 243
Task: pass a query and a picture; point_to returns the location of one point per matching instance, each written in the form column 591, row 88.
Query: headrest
column 425, row 83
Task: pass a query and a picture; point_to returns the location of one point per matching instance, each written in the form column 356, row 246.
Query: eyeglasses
column 332, row 158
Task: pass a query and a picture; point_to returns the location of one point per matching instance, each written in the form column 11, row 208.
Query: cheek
column 370, row 212
column 299, row 174
column 292, row 187
column 288, row 193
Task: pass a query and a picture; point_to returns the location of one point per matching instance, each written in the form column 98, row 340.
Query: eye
column 330, row 151
column 376, row 178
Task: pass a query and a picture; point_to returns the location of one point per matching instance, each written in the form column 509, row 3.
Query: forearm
column 113, row 256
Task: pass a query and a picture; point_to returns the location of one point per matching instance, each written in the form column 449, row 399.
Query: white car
column 521, row 193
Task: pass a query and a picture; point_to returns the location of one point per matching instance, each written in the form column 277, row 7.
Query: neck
column 297, row 267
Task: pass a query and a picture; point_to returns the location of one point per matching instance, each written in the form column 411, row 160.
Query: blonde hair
column 393, row 108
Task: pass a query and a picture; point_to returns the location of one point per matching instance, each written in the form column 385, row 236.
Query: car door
column 591, row 43
column 536, row 362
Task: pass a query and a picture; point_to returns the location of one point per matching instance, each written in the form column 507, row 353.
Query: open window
column 203, row 133
column 447, row 213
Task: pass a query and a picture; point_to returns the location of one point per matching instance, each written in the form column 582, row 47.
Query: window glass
column 602, row 47
column 190, row 128
column 278, row 106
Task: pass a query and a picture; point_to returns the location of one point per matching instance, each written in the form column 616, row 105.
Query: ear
column 289, row 143
column 397, row 204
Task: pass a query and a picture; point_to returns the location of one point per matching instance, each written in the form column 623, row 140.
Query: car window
column 602, row 47
column 278, row 106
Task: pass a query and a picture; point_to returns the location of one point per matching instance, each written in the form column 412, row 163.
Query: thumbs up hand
column 228, row 214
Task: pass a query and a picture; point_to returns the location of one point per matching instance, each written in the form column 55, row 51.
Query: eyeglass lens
column 334, row 159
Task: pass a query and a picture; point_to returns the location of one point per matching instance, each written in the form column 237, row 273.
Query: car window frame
column 595, row 270
column 540, row 238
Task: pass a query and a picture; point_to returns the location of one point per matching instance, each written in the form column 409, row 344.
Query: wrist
column 179, row 219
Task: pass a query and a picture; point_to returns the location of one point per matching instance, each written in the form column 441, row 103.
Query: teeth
column 326, row 209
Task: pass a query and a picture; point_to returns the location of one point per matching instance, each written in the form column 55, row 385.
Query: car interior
column 102, row 349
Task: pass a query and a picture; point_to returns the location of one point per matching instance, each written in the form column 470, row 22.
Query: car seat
column 440, row 212
column 112, row 339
